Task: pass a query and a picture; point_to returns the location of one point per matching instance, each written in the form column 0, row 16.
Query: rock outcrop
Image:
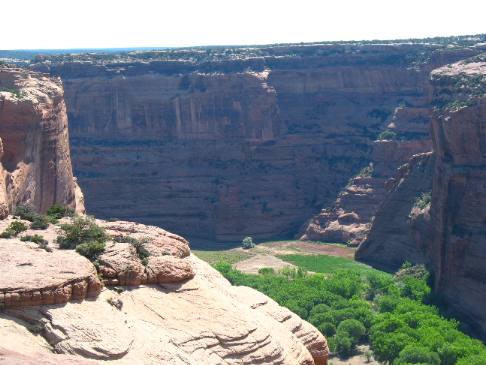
column 350, row 217
column 401, row 229
column 458, row 214
column 34, row 148
column 193, row 315
column 449, row 235
column 249, row 142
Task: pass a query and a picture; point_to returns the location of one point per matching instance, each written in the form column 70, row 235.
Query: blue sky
column 159, row 23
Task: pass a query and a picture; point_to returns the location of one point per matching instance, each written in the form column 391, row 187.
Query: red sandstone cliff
column 34, row 149
column 186, row 313
column 213, row 150
column 458, row 211
column 449, row 234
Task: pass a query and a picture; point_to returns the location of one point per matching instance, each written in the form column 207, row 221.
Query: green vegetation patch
column 423, row 200
column 326, row 264
column 215, row 257
column 351, row 306
column 84, row 235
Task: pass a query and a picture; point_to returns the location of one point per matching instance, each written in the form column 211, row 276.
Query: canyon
column 56, row 306
column 219, row 145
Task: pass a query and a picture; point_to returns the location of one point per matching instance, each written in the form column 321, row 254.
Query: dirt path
column 255, row 263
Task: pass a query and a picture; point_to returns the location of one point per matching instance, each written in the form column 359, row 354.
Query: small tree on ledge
column 247, row 243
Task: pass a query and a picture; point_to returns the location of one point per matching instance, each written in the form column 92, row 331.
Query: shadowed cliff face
column 34, row 150
column 459, row 193
column 449, row 235
column 215, row 151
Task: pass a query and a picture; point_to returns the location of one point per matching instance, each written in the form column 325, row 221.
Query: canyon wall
column 458, row 249
column 448, row 234
column 185, row 313
column 34, row 144
column 237, row 146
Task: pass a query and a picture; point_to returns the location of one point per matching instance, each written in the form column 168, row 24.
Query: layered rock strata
column 350, row 217
column 457, row 252
column 238, row 145
column 192, row 316
column 34, row 148
column 401, row 229
column 452, row 243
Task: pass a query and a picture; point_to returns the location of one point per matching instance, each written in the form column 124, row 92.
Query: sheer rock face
column 34, row 150
column 193, row 315
column 450, row 235
column 217, row 152
column 350, row 217
column 458, row 251
column 401, row 230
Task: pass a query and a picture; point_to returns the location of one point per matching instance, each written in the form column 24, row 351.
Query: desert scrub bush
column 57, row 211
column 423, row 200
column 40, row 222
column 25, row 212
column 142, row 253
column 117, row 303
column 81, row 230
column 247, row 243
column 16, row 227
column 38, row 239
column 90, row 250
column 366, row 171
column 387, row 135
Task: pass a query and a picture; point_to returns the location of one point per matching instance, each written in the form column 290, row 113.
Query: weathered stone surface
column 305, row 332
column 35, row 160
column 33, row 276
column 120, row 264
column 201, row 321
column 458, row 213
column 400, row 230
column 350, row 217
column 8, row 357
column 451, row 235
column 212, row 150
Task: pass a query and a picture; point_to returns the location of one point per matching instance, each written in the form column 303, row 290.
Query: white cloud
column 121, row 23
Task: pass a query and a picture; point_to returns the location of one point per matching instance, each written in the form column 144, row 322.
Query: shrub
column 423, row 200
column 327, row 329
column 343, row 345
column 16, row 227
column 117, row 303
column 58, row 211
column 90, row 250
column 266, row 271
column 81, row 230
column 40, row 222
column 366, row 171
column 473, row 360
column 37, row 239
column 387, row 135
column 353, row 328
column 25, row 212
column 7, row 233
column 247, row 243
column 414, row 354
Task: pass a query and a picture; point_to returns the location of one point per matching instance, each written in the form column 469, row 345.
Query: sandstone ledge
column 32, row 276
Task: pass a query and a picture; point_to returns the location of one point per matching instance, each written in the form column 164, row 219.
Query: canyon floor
column 273, row 254
column 281, row 254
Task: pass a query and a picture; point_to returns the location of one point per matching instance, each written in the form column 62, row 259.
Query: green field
column 325, row 264
column 214, row 257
